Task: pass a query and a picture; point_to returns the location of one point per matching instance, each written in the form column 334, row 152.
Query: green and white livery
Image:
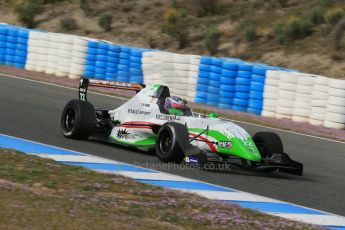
column 147, row 121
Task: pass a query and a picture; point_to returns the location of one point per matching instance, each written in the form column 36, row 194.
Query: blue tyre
column 228, row 88
column 240, row 102
column 242, row 81
column 256, row 95
column 205, row 68
column 228, row 80
column 224, row 106
column 215, row 77
column 206, row 60
column 245, row 67
column 242, row 88
column 229, row 73
column 257, row 86
column 254, row 111
column 258, row 78
column 240, row 95
column 200, row 100
column 203, row 81
column 203, row 74
column 201, row 94
column 215, row 69
column 239, row 108
column 217, row 62
column 213, row 90
column 230, row 65
column 255, row 104
column 244, row 74
column 226, row 94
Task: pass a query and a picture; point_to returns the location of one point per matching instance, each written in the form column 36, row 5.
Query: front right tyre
column 78, row 119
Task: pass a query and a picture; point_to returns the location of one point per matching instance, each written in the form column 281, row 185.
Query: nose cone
column 246, row 149
column 242, row 143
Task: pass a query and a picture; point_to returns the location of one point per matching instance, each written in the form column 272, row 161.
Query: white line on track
column 122, row 98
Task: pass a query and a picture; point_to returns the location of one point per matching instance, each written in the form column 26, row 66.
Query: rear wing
column 86, row 82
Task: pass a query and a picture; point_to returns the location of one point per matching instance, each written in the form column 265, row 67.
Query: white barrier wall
column 335, row 110
column 58, row 54
column 179, row 72
column 226, row 83
column 305, row 98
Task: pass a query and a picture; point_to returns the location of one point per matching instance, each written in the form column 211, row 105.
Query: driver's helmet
column 175, row 105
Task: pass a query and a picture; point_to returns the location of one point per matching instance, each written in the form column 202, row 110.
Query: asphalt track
column 31, row 110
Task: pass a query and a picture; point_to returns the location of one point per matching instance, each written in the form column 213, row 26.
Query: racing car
column 155, row 120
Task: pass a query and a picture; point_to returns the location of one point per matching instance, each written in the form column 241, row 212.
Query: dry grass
column 36, row 193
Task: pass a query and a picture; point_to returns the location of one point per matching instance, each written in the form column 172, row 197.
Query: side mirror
column 213, row 115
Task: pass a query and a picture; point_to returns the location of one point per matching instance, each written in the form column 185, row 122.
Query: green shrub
column 176, row 25
column 326, row 3
column 292, row 29
column 105, row 21
column 249, row 30
column 85, row 7
column 27, row 10
column 206, row 7
column 316, row 15
column 212, row 40
column 333, row 16
column 68, row 24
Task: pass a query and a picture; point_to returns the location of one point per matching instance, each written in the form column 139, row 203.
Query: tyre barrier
column 226, row 83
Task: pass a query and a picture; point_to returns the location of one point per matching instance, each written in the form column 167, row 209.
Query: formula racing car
column 155, row 120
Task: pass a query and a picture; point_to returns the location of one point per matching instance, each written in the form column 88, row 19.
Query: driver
column 175, row 105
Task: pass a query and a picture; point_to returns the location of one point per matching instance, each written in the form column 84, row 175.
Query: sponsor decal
column 124, row 134
column 139, row 112
column 166, row 117
column 225, row 144
column 145, row 104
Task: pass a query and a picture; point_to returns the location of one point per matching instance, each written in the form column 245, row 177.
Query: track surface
column 32, row 110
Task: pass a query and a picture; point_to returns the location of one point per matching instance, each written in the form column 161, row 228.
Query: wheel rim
column 165, row 142
column 69, row 120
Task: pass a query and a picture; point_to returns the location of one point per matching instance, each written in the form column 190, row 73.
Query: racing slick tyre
column 171, row 138
column 268, row 143
column 77, row 119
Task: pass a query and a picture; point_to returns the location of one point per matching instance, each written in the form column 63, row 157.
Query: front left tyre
column 78, row 119
column 170, row 142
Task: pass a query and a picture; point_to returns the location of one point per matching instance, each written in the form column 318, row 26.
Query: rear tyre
column 168, row 147
column 77, row 119
column 268, row 143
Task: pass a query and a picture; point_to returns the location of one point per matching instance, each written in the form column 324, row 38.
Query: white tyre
column 270, row 102
column 72, row 76
column 78, row 61
column 181, row 66
column 194, row 61
column 320, row 88
column 315, row 122
column 77, row 54
column 340, row 101
column 318, row 110
column 60, row 74
column 266, row 113
column 336, row 109
column 319, row 95
column 284, row 94
column 337, row 84
column 300, row 119
column 285, row 103
column 301, row 112
column 287, row 86
column 337, row 92
column 334, row 125
column 269, row 95
column 273, row 74
column 194, row 68
column 318, row 103
column 272, row 81
column 49, row 71
column 270, row 108
column 320, row 80
column 68, row 39
column 287, row 77
column 284, row 110
column 301, row 105
column 335, row 117
column 306, row 89
column 283, row 116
